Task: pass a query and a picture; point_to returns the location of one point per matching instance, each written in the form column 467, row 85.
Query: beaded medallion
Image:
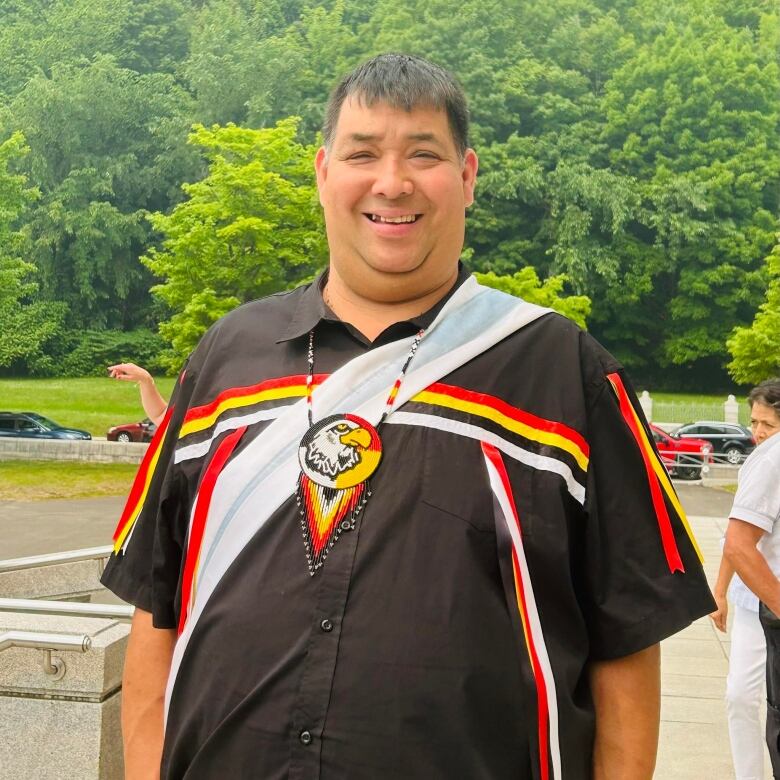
column 337, row 455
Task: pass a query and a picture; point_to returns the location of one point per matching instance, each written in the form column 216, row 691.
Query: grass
column 93, row 404
column 39, row 480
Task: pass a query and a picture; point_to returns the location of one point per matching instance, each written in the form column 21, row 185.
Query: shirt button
column 305, row 737
column 326, row 625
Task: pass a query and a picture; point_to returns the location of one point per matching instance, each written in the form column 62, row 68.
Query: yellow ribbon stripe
column 273, row 394
column 522, row 429
column 663, row 478
column 120, row 540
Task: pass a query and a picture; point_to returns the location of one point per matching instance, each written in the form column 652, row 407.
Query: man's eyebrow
column 369, row 137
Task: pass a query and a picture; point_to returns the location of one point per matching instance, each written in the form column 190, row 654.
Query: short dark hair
column 402, row 81
column 767, row 393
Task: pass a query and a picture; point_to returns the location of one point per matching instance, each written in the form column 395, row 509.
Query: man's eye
column 426, row 155
column 360, row 156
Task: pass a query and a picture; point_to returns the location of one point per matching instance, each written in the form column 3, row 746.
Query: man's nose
column 393, row 180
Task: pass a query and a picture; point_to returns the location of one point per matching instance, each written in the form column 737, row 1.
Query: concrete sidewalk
column 694, row 741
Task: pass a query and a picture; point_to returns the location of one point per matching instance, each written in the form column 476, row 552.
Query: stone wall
column 65, row 725
column 94, row 451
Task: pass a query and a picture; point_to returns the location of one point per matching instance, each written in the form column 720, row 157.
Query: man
column 752, row 549
column 406, row 526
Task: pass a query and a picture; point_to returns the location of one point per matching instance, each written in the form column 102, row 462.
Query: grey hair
column 402, row 81
column 767, row 393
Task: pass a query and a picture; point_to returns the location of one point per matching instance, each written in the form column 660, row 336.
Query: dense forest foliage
column 629, row 154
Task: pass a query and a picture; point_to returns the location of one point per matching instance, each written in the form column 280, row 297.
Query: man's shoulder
column 274, row 310
column 556, row 340
column 251, row 329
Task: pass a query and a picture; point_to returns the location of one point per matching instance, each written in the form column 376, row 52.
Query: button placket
column 314, row 692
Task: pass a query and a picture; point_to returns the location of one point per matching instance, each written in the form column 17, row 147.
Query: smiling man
column 396, row 524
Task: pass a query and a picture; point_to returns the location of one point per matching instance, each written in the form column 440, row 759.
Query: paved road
column 38, row 527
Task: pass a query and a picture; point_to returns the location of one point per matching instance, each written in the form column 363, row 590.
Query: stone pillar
column 646, row 402
column 66, row 725
column 731, row 410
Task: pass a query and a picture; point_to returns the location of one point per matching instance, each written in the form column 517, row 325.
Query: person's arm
column 627, row 699
column 725, row 575
column 154, row 404
column 147, row 663
column 741, row 551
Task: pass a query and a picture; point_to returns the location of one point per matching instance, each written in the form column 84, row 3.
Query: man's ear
column 321, row 169
column 469, row 174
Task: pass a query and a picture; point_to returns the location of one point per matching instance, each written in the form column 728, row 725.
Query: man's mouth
column 402, row 220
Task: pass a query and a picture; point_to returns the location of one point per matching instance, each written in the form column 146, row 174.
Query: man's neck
column 373, row 317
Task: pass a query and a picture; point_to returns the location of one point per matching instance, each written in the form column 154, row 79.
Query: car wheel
column 124, row 436
column 734, row 455
column 690, row 472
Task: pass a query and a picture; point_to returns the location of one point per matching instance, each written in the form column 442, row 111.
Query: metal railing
column 55, row 559
column 44, row 641
column 67, row 608
column 48, row 643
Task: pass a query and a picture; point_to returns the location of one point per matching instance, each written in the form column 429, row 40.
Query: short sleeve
column 643, row 577
column 757, row 500
column 145, row 566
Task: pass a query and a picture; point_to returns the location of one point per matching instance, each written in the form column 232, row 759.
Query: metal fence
column 682, row 412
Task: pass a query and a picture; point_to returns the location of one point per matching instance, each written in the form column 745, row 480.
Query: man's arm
column 147, row 664
column 627, row 700
column 741, row 552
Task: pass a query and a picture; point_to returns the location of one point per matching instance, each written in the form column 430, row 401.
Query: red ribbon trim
column 659, row 504
column 202, row 503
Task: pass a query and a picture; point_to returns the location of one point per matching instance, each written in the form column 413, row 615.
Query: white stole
column 257, row 482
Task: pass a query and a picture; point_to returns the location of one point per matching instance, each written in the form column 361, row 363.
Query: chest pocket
column 455, row 480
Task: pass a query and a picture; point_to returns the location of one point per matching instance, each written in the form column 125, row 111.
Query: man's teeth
column 394, row 220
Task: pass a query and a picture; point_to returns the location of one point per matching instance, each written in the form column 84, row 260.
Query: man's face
column 764, row 421
column 395, row 191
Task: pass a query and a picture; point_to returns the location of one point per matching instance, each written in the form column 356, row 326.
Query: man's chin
column 402, row 282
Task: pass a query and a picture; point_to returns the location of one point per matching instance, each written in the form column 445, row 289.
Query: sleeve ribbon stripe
column 636, row 428
column 140, row 488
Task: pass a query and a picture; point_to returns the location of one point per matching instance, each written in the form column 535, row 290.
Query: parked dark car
column 687, row 458
column 730, row 442
column 30, row 425
column 140, row 431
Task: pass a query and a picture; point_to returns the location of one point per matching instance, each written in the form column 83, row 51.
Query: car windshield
column 44, row 421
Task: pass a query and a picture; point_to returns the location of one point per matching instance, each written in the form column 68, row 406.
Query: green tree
column 756, row 349
column 26, row 323
column 107, row 145
column 692, row 117
column 526, row 284
column 251, row 227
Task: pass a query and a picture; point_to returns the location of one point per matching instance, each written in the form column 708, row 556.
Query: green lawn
column 38, row 480
column 94, row 404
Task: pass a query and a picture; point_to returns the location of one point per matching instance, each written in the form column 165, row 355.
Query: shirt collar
column 311, row 309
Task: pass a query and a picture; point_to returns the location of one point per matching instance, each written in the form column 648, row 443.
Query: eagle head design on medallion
column 340, row 451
